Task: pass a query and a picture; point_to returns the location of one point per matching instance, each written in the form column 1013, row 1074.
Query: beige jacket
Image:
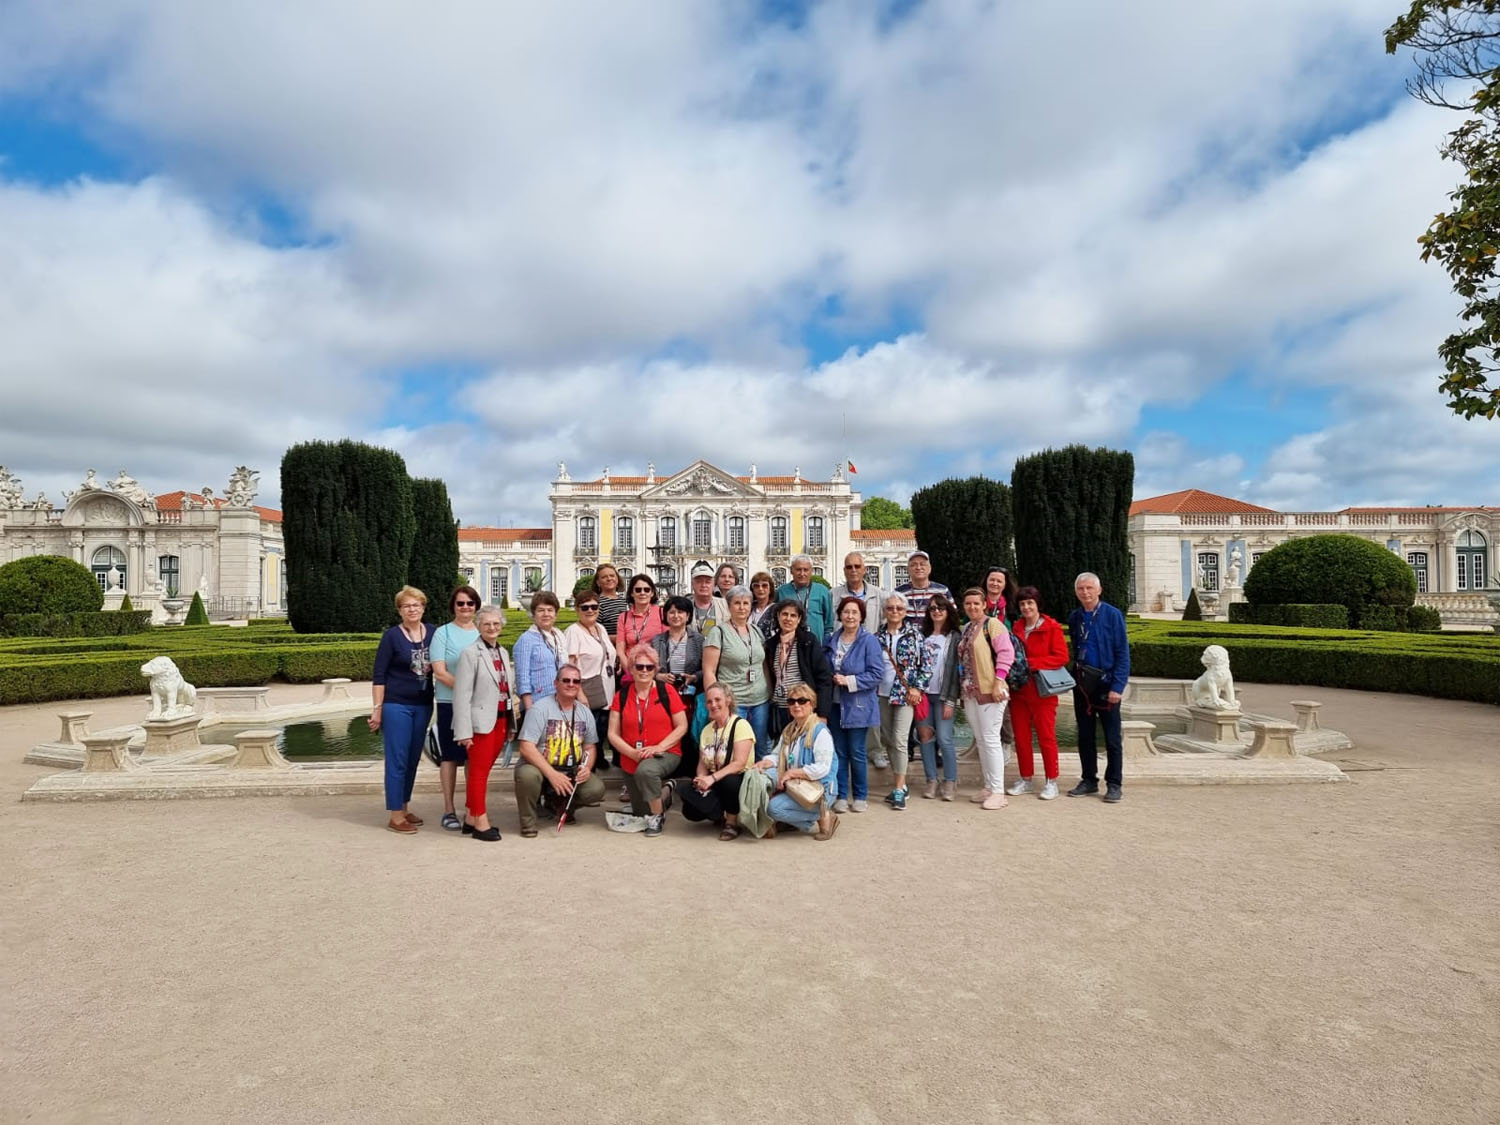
column 476, row 692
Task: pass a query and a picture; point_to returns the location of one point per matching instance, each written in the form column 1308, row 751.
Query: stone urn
column 176, row 610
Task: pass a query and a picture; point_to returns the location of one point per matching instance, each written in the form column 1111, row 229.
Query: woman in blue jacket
column 858, row 666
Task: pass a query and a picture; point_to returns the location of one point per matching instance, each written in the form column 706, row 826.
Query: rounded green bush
column 1331, row 569
column 48, row 584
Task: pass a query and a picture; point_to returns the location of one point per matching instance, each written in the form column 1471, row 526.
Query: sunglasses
column 583, row 608
column 641, row 590
column 462, row 603
column 570, row 680
column 645, row 667
column 797, row 700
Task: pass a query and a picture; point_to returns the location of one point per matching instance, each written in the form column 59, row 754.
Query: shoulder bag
column 805, row 791
column 1053, row 681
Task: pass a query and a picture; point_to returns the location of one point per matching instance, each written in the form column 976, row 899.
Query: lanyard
column 631, row 615
column 640, row 717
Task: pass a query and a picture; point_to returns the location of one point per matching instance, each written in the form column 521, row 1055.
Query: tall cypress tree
column 348, row 528
column 434, row 547
column 965, row 525
column 1071, row 509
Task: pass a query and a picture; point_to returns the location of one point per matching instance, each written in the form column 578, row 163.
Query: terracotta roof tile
column 1193, row 501
column 899, row 534
column 505, row 534
column 172, row 502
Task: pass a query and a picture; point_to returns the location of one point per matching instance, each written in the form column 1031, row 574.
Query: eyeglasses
column 569, row 680
column 583, row 608
column 798, row 701
column 645, row 667
column 411, row 605
column 852, row 566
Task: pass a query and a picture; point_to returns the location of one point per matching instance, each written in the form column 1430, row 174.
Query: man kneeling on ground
column 559, row 746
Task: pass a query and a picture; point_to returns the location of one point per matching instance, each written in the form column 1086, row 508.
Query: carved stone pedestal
column 107, row 753
column 257, row 751
column 1210, row 724
column 1136, row 739
column 75, row 726
column 171, row 736
column 1273, row 739
column 336, row 690
column 1307, row 714
column 234, row 701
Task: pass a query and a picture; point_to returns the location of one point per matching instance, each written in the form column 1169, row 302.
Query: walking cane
column 563, row 816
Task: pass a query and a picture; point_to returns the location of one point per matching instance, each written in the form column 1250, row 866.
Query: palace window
column 533, row 578
column 818, row 571
column 666, row 532
column 624, row 534
column 169, row 570
column 585, row 572
column 703, row 532
column 104, row 559
column 778, row 575
column 901, row 574
column 1208, row 570
column 499, row 585
column 1417, row 560
column 1470, row 558
column 468, row 573
column 737, row 533
column 814, row 533
column 588, row 533
column 778, row 533
column 872, row 575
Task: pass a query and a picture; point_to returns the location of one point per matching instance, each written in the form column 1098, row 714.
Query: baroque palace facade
column 156, row 547
column 1195, row 539
column 664, row 524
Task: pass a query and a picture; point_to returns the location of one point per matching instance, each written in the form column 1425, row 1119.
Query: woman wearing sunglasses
column 804, row 750
column 646, row 723
column 590, row 647
column 448, row 642
column 641, row 621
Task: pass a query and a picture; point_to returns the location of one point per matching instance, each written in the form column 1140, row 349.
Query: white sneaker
column 1049, row 791
column 841, row 806
column 1022, row 785
column 858, row 806
column 880, row 762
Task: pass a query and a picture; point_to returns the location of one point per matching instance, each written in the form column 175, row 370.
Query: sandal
column 730, row 832
column 451, row 822
column 833, row 826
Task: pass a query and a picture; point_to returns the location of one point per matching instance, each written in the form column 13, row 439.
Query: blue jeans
column 940, row 739
column 849, row 764
column 759, row 718
column 783, row 809
column 1088, row 747
column 403, row 729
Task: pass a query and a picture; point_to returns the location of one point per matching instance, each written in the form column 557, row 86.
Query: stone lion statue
column 171, row 696
column 1215, row 688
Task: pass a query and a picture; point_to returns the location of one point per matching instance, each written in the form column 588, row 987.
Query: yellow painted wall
column 796, row 521
column 606, row 530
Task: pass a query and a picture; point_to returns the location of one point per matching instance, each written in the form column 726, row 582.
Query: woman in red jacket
column 1045, row 648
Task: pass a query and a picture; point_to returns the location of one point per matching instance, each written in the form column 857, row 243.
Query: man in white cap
column 708, row 608
column 920, row 589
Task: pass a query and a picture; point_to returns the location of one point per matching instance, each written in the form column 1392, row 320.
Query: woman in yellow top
column 724, row 750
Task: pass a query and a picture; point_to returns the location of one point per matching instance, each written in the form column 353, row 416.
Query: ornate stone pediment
column 699, row 479
column 101, row 509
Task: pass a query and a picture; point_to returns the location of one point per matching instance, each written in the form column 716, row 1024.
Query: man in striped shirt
column 920, row 589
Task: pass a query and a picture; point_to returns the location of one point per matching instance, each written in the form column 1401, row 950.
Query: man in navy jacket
column 1098, row 634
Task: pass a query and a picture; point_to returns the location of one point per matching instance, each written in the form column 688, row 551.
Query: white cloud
column 1091, row 208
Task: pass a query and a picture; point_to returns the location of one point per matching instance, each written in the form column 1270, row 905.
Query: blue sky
column 773, row 232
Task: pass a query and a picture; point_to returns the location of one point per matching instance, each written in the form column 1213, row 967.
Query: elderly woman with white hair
column 902, row 689
column 815, row 598
column 486, row 710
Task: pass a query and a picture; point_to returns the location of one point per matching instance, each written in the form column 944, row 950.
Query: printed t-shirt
column 448, row 643
column 645, row 720
column 716, row 747
column 561, row 735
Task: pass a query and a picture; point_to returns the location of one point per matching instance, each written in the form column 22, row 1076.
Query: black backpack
column 1020, row 668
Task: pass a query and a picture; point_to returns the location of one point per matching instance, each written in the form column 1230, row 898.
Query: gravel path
column 1261, row 953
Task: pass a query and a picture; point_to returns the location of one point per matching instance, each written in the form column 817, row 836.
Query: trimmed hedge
column 1346, row 569
column 1306, row 615
column 48, row 584
column 95, row 623
column 1445, row 665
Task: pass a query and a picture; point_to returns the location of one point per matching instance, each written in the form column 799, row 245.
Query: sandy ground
column 1297, row 953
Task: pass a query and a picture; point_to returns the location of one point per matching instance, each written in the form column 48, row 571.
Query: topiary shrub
column 1192, row 611
column 1296, row 616
column 1423, row 619
column 197, row 615
column 125, row 606
column 1342, row 569
column 48, row 584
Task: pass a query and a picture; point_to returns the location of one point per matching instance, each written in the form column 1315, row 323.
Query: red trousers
column 483, row 752
column 1029, row 711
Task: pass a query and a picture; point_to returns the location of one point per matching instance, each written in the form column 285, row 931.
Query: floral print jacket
column 904, row 647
